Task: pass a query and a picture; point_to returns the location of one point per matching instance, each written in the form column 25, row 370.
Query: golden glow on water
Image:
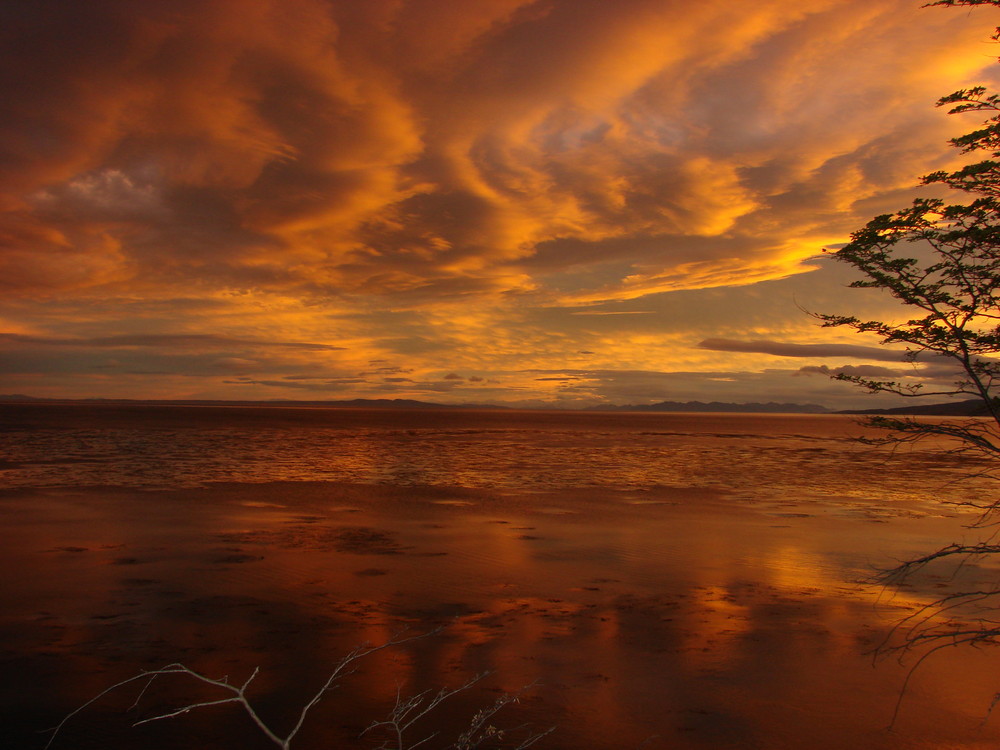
column 705, row 617
column 534, row 598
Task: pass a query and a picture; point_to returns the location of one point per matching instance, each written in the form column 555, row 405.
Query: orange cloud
column 289, row 163
column 428, row 144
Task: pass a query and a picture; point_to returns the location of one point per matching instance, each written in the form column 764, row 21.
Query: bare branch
column 402, row 718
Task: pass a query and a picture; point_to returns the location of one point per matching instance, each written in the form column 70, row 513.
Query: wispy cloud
column 613, row 312
column 173, row 341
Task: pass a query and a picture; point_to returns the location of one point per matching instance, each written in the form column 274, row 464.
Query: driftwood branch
column 405, row 713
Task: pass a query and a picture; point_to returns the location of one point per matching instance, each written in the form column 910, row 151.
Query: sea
column 646, row 580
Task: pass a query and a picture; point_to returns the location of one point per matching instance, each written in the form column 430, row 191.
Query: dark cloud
column 861, row 371
column 660, row 374
column 780, row 349
column 337, row 386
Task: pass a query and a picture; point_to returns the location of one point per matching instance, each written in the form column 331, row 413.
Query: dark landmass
column 719, row 406
column 403, row 403
column 970, row 408
column 357, row 403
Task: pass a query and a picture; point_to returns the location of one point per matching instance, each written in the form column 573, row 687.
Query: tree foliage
column 954, row 299
column 941, row 261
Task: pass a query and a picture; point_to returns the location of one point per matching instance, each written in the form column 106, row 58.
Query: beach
column 674, row 581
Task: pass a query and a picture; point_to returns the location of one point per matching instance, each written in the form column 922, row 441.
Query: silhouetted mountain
column 719, row 406
column 970, row 408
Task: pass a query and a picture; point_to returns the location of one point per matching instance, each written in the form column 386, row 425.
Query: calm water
column 669, row 581
column 761, row 458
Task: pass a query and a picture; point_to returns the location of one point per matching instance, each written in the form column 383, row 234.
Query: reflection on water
column 700, row 595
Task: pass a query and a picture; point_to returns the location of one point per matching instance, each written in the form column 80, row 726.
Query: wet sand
column 666, row 617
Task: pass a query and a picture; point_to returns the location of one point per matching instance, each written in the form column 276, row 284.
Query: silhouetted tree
column 952, row 303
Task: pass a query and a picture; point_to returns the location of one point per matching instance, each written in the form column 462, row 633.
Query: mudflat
column 722, row 613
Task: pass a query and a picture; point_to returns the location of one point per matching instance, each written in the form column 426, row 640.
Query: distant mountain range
column 718, row 406
column 970, row 408
column 405, row 403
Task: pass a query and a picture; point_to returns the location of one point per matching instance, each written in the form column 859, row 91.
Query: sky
column 523, row 202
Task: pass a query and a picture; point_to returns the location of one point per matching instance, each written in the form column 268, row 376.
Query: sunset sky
column 524, row 202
